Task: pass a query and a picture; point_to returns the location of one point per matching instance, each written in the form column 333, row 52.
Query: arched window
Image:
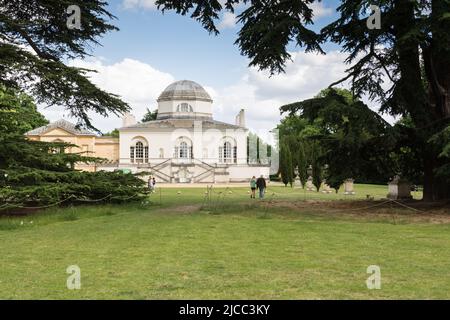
column 228, row 151
column 59, row 149
column 183, row 150
column 161, row 153
column 139, row 153
column 185, row 107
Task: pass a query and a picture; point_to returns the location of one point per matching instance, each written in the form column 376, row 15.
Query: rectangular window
column 146, row 154
column 235, row 154
column 132, row 154
column 139, row 152
column 220, row 154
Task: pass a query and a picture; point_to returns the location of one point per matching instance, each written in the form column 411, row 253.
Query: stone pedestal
column 399, row 189
column 326, row 188
column 348, row 187
column 310, row 185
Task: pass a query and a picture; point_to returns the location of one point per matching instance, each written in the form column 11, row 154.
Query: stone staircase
column 208, row 172
column 207, row 175
column 156, row 170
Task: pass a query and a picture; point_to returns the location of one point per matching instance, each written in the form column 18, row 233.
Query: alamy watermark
column 73, row 17
column 374, row 281
column 374, row 20
column 212, row 143
column 74, row 280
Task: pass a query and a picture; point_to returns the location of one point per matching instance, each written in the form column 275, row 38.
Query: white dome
column 184, row 99
column 185, row 90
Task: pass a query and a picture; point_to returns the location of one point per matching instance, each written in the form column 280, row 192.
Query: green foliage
column 18, row 113
column 115, row 133
column 257, row 150
column 442, row 139
column 302, row 164
column 33, row 187
column 344, row 134
column 317, row 164
column 150, row 115
column 41, row 26
column 411, row 50
column 36, row 173
column 300, row 134
column 286, row 165
column 267, row 26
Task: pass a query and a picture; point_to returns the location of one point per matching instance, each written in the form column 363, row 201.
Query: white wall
column 169, row 108
column 210, row 139
column 245, row 173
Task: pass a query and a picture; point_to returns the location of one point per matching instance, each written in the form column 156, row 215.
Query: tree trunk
column 434, row 188
column 437, row 69
column 428, row 110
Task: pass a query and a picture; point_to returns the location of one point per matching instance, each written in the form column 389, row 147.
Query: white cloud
column 228, row 21
column 320, row 10
column 262, row 95
column 145, row 4
column 140, row 84
column 135, row 82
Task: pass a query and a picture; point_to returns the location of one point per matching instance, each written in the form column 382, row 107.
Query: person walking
column 253, row 187
column 154, row 184
column 150, row 184
column 261, row 185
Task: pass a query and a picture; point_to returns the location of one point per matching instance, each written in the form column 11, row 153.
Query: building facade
column 183, row 145
column 86, row 142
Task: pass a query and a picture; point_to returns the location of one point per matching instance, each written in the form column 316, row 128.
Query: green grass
column 232, row 248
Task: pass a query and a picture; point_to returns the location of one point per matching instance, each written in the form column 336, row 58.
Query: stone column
column 310, row 185
column 326, row 188
column 348, row 187
column 399, row 189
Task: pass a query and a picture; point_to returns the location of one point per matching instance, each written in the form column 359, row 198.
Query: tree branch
column 340, row 81
column 33, row 45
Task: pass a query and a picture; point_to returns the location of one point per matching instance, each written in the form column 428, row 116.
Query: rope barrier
column 221, row 195
column 408, row 207
column 11, row 206
column 128, row 198
column 362, row 208
column 89, row 200
column 3, row 205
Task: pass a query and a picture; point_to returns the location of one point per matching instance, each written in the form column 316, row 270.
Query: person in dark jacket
column 261, row 185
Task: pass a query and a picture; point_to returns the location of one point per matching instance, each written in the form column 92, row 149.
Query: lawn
column 291, row 246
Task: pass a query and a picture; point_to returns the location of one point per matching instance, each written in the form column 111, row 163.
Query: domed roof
column 184, row 90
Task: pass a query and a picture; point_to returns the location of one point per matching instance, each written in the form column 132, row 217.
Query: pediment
column 57, row 132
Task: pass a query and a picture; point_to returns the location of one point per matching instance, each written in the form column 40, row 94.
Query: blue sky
column 178, row 44
column 152, row 50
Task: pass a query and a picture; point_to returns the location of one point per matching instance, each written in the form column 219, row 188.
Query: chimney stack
column 240, row 119
column 128, row 120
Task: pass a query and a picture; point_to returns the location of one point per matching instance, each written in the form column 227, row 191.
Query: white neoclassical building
column 185, row 144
